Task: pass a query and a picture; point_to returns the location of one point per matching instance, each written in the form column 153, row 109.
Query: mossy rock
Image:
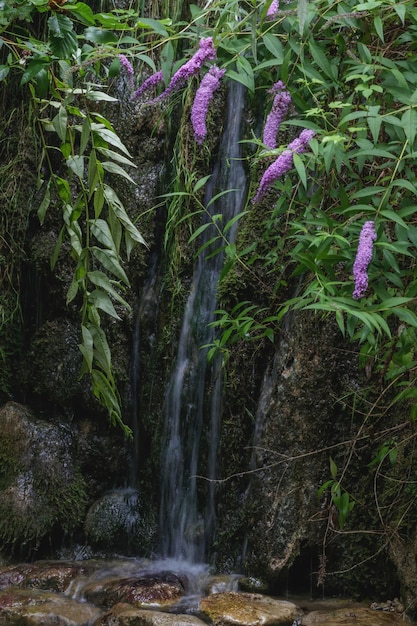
column 120, row 521
column 42, row 491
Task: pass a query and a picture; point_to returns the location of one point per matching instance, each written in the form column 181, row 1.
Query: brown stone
column 127, row 615
column 22, row 607
column 248, row 609
column 352, row 617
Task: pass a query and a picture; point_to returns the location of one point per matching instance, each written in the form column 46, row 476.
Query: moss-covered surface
column 42, row 489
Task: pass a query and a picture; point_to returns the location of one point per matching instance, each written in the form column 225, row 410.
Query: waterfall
column 193, row 396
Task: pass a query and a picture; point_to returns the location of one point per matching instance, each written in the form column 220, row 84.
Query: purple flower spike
column 206, row 52
column 284, row 162
column 126, row 64
column 273, row 8
column 278, row 112
column 153, row 80
column 203, row 96
column 363, row 258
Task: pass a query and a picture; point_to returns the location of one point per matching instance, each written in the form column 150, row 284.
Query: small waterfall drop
column 194, row 393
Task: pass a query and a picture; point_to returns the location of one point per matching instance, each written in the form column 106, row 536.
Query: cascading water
column 193, row 396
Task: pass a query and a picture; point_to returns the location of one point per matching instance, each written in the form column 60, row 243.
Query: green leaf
column 300, row 167
column 76, row 164
column 379, row 28
column 409, row 124
column 119, row 210
column 301, row 14
column 109, row 136
column 102, row 301
column 100, row 279
column 115, row 156
column 33, row 69
column 60, row 123
column 72, row 291
column 100, row 36
column 4, row 70
column 62, row 38
column 101, row 347
column 99, row 96
column 275, row 47
column 82, row 11
column 200, row 183
column 98, row 201
column 333, row 469
column 151, row 24
column 58, row 246
column 101, row 231
column 113, row 168
column 43, row 207
column 86, row 347
column 320, row 58
column 243, row 78
column 85, row 135
column 110, row 261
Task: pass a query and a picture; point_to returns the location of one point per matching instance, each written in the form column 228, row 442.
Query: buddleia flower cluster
column 273, row 9
column 150, row 82
column 284, row 162
column 206, row 52
column 127, row 66
column 203, row 96
column 280, row 106
column 363, row 259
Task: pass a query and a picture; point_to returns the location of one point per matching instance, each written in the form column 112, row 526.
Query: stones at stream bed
column 162, row 589
column 51, row 576
column 248, row 609
column 34, row 607
column 129, row 592
column 352, row 617
column 126, row 615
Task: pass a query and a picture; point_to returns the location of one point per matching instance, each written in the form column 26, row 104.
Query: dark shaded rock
column 160, row 589
column 248, row 609
column 300, row 415
column 41, row 487
column 254, row 585
column 120, row 521
column 102, row 452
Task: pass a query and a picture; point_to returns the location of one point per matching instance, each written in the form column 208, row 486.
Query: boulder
column 248, row 609
column 41, row 487
column 23, row 607
column 150, row 590
column 126, row 615
column 51, row 576
column 120, row 521
column 352, row 616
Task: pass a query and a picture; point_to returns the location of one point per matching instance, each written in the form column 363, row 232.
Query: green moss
column 41, row 488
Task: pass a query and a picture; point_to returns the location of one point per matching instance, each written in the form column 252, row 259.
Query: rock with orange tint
column 247, row 609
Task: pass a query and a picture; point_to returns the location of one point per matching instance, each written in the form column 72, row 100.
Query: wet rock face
column 41, row 487
column 298, row 417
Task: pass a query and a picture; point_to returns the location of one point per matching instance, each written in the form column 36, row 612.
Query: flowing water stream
column 194, row 393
